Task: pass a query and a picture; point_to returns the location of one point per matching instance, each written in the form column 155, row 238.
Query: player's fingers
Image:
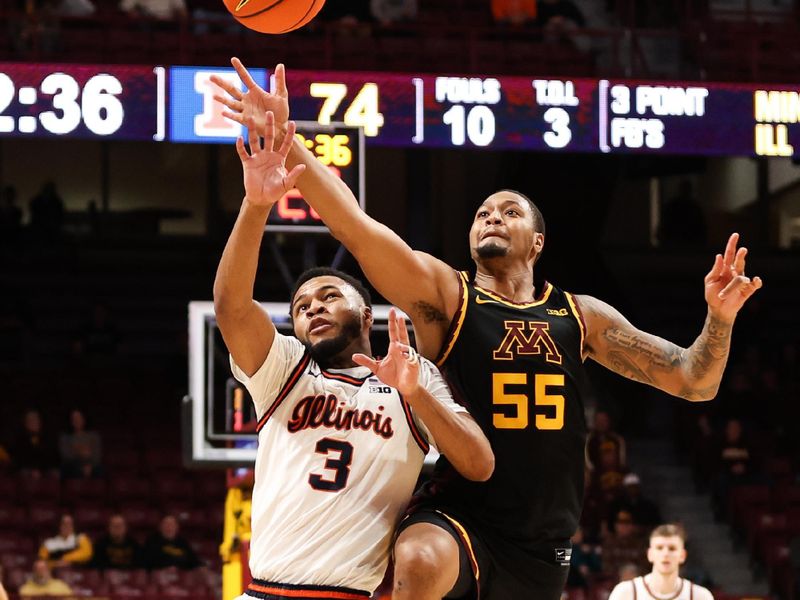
column 280, row 81
column 739, row 261
column 229, row 102
column 736, row 284
column 392, row 325
column 269, row 132
column 233, row 116
column 252, row 136
column 243, row 73
column 730, row 250
column 226, row 85
column 402, row 330
column 286, row 146
column 716, row 270
column 240, row 149
column 291, row 179
column 365, row 361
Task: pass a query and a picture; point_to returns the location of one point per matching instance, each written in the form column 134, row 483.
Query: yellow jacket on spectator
column 53, row 587
column 75, row 548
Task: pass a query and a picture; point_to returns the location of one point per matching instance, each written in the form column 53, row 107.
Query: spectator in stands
column 585, row 562
column 32, row 452
column 388, row 12
column 67, row 548
column 601, row 437
column 609, row 474
column 80, row 449
column 47, row 211
column 644, row 512
column 682, row 220
column 735, row 465
column 166, row 548
column 117, row 549
column 42, row 583
column 351, row 17
column 559, row 19
column 10, row 213
column 627, row 572
column 157, row 10
column 623, row 545
column 514, row 12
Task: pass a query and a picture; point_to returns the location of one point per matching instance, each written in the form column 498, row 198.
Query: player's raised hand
column 266, row 179
column 727, row 287
column 253, row 104
column 400, row 367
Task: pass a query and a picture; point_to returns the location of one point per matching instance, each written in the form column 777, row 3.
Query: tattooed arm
column 693, row 373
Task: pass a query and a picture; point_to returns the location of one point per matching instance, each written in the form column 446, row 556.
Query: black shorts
column 497, row 569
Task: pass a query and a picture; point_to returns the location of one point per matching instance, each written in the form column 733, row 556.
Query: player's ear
column 538, row 245
column 683, row 556
column 367, row 315
column 650, row 558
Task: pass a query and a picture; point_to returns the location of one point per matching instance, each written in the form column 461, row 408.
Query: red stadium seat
column 12, row 518
column 123, row 488
column 785, row 497
column 74, row 491
column 746, row 499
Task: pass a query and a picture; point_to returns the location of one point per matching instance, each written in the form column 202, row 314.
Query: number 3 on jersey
column 503, row 420
column 339, row 465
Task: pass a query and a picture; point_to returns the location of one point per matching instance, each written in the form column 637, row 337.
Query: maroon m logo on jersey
column 528, row 338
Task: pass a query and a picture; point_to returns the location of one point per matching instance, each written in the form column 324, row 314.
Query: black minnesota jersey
column 518, row 370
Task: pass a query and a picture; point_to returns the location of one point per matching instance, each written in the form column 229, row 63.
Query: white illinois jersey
column 639, row 589
column 339, row 453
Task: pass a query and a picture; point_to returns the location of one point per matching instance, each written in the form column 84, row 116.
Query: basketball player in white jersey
column 667, row 553
column 342, row 437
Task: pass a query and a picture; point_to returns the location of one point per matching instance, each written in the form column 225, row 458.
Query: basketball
column 274, row 16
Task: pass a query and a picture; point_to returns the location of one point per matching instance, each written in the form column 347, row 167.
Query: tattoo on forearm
column 429, row 313
column 625, row 366
column 710, row 350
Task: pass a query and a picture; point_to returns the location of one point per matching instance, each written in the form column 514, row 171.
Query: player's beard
column 325, row 351
column 491, row 250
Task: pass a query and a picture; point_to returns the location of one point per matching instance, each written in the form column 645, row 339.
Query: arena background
column 112, row 220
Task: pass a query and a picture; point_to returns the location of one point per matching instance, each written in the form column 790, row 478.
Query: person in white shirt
column 667, row 552
column 342, row 436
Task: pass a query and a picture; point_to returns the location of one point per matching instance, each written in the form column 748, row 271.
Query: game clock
column 338, row 147
column 103, row 101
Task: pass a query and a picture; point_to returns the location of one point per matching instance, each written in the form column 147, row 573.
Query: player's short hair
column 329, row 272
column 538, row 218
column 669, row 530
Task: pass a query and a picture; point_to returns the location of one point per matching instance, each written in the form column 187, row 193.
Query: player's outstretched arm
column 246, row 327
column 692, row 373
column 457, row 435
column 424, row 287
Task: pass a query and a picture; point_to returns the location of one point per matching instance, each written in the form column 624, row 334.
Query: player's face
column 328, row 315
column 667, row 554
column 504, row 228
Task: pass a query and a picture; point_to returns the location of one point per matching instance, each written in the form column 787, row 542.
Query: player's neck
column 515, row 283
column 663, row 585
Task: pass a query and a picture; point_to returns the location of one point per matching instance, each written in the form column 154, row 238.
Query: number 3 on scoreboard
column 362, row 112
column 520, row 401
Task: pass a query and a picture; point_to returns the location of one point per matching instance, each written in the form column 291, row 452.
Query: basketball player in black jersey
column 513, row 354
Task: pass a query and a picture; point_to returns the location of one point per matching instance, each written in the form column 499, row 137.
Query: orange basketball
column 274, row 16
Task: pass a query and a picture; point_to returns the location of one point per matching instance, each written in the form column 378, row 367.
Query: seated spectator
column 167, row 549
column 514, row 12
column 608, row 477
column 644, row 512
column 10, row 213
column 559, row 19
column 160, row 10
column 388, row 12
column 42, row 583
column 623, row 545
column 734, row 465
column 47, row 207
column 80, row 449
column 585, row 562
column 116, row 549
column 67, row 548
column 627, row 572
column 32, row 451
column 602, row 437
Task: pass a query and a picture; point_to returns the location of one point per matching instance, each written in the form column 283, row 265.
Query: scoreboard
column 175, row 104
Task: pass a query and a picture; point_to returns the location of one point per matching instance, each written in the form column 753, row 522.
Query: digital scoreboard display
column 576, row 115
column 412, row 110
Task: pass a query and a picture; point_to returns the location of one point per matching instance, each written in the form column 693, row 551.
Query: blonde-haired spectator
column 42, row 583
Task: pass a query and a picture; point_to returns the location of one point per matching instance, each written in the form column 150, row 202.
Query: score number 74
column 362, row 112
